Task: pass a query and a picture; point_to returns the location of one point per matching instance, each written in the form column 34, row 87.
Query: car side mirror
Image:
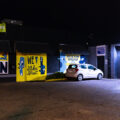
column 94, row 69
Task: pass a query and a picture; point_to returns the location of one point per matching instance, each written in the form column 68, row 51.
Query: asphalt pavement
column 66, row 100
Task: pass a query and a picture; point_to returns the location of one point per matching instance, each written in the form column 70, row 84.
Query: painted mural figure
column 67, row 59
column 42, row 70
column 62, row 62
column 4, row 57
column 82, row 59
column 21, row 65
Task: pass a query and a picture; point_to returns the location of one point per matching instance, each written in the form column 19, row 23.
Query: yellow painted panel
column 71, row 59
column 36, row 67
column 31, row 67
column 2, row 27
column 20, row 67
column 4, row 57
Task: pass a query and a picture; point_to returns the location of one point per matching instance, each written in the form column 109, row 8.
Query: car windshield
column 72, row 66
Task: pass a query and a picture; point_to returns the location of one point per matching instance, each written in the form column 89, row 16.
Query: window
column 72, row 66
column 91, row 67
column 83, row 66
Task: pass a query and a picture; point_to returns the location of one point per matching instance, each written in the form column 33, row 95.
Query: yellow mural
column 20, row 67
column 2, row 27
column 31, row 67
column 36, row 67
column 4, row 58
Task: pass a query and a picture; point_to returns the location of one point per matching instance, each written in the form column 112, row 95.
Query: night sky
column 88, row 20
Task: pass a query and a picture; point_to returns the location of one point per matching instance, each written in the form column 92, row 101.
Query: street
column 64, row 100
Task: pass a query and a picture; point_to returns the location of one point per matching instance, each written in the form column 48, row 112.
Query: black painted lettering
column 3, row 68
column 32, row 59
column 29, row 60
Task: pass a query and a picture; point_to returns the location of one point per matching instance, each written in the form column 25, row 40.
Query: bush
column 56, row 75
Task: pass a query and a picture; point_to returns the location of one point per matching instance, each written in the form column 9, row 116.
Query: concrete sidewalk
column 8, row 78
column 14, row 75
column 8, row 75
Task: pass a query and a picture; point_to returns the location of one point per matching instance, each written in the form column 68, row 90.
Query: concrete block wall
column 92, row 59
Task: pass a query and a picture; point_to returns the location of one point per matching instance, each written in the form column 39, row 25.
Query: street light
column 10, row 21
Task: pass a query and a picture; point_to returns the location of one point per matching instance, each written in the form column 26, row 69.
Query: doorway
column 117, row 64
column 100, row 62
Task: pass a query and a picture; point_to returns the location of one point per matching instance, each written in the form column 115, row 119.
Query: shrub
column 56, row 75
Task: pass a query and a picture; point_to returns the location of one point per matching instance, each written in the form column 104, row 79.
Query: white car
column 83, row 71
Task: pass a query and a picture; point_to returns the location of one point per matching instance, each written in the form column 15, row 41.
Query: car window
column 91, row 67
column 83, row 66
column 72, row 66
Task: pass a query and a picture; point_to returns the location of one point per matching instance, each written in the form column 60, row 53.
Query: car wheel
column 100, row 76
column 80, row 77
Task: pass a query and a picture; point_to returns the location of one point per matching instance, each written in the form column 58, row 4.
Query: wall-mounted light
column 15, row 22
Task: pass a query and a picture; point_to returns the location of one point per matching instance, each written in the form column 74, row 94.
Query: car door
column 92, row 71
column 84, row 70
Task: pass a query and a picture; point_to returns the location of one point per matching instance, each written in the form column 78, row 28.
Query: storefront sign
column 101, row 50
column 3, row 63
column 2, row 27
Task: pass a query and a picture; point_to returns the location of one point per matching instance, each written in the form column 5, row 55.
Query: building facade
column 58, row 56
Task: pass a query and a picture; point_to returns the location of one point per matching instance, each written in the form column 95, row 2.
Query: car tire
column 100, row 76
column 79, row 77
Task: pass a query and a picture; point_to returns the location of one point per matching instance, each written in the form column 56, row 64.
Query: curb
column 52, row 80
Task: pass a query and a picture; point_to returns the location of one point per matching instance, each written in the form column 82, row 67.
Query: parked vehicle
column 83, row 71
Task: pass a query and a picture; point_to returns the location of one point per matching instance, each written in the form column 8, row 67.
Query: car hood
column 100, row 71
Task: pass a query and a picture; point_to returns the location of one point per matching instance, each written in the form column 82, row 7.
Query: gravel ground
column 84, row 100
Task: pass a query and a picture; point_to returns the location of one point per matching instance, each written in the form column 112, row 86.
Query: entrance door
column 118, row 64
column 100, row 63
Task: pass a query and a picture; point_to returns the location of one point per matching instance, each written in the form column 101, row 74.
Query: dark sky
column 96, row 19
